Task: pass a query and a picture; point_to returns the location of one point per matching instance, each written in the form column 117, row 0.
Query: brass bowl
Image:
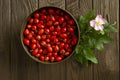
column 24, row 25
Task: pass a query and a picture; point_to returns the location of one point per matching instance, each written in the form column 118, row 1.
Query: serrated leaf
column 89, row 55
column 110, row 28
column 102, row 32
column 78, row 49
column 90, row 15
column 105, row 39
column 99, row 45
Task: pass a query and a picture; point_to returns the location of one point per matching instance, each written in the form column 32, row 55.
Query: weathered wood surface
column 15, row 64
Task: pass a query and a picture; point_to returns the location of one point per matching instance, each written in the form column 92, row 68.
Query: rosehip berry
column 41, row 31
column 29, row 26
column 33, row 46
column 26, row 32
column 40, row 51
column 43, row 43
column 33, row 40
column 46, row 58
column 67, row 53
column 26, row 41
column 38, row 37
column 52, row 58
column 31, row 20
column 58, row 58
column 34, row 27
column 49, row 49
column 42, row 57
column 36, row 15
column 35, row 51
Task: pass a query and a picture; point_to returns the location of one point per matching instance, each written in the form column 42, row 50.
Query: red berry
column 71, row 22
column 58, row 28
column 52, row 58
column 31, row 20
column 37, row 55
column 38, row 45
column 29, row 36
column 55, row 54
column 38, row 37
column 49, row 54
column 67, row 53
column 61, row 45
column 43, row 17
column 53, row 18
column 49, row 49
column 58, row 58
column 41, row 31
column 33, row 40
column 55, row 40
column 47, row 40
column 64, row 29
column 40, row 26
column 43, row 43
column 36, row 20
column 36, row 15
column 46, row 58
column 29, row 26
column 47, row 31
column 52, row 28
column 64, row 35
column 40, row 51
column 61, row 20
column 42, row 57
column 26, row 41
column 49, row 23
column 33, row 46
column 62, row 51
column 51, row 11
column 56, row 48
column 70, row 29
column 56, row 23
column 35, row 51
column 43, row 37
column 26, row 32
column 34, row 27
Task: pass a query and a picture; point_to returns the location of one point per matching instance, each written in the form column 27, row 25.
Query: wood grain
column 5, row 15
column 15, row 64
column 75, row 70
column 55, row 71
column 22, row 66
column 108, row 67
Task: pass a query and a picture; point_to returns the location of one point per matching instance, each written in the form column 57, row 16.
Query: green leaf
column 102, row 32
column 90, row 15
column 99, row 45
column 78, row 49
column 110, row 28
column 105, row 39
column 89, row 55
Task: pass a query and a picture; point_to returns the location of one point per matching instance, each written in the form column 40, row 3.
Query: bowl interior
column 24, row 26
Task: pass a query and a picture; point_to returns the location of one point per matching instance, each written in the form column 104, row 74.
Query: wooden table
column 15, row 64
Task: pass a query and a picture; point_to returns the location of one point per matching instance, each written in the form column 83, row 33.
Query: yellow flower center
column 98, row 23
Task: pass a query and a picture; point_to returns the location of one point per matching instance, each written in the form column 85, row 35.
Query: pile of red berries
column 50, row 34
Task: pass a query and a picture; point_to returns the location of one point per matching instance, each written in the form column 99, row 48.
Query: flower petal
column 101, row 27
column 92, row 23
column 98, row 17
column 96, row 28
column 103, row 21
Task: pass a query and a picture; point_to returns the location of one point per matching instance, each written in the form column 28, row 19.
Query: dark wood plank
column 5, row 23
column 76, row 71
column 22, row 66
column 108, row 67
column 55, row 71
